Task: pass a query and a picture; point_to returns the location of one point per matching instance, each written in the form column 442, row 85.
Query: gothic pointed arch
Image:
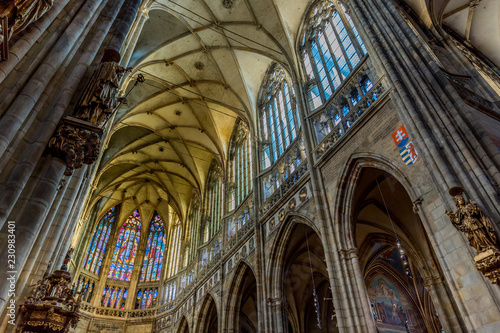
column 155, row 250
column 379, row 221
column 183, row 325
column 208, row 320
column 242, row 308
column 125, row 251
column 94, row 256
column 301, row 284
column 330, row 49
column 278, row 115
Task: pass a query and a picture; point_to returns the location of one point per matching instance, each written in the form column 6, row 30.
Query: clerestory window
column 279, row 119
column 331, row 49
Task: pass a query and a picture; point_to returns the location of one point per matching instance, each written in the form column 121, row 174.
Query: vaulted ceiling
column 476, row 21
column 204, row 61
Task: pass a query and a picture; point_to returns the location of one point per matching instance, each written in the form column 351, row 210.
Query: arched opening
column 384, row 216
column 243, row 304
column 208, row 321
column 183, row 326
column 309, row 306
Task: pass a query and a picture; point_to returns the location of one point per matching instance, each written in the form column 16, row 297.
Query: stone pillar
column 276, row 311
column 123, row 26
column 357, row 299
column 28, row 227
column 430, row 111
column 18, row 111
column 43, row 121
column 135, row 32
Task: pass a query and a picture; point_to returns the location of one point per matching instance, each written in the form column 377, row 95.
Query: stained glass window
column 97, row 246
column 114, row 297
column 169, row 291
column 146, row 298
column 175, row 247
column 155, row 248
column 279, row 120
column 126, row 248
column 332, row 48
column 240, row 165
column 213, row 203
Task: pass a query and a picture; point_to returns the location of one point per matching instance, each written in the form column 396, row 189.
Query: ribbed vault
column 476, row 21
column 204, row 62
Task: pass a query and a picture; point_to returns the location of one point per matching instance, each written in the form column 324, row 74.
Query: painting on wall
column 388, row 303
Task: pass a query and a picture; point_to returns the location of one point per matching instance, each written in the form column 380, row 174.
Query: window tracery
column 279, row 118
column 146, row 298
column 331, row 49
column 114, row 297
column 212, row 203
column 122, row 262
column 85, row 287
column 92, row 261
column 175, row 245
column 240, row 165
column 155, row 249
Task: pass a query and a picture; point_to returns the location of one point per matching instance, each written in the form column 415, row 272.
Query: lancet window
column 85, row 287
column 146, row 298
column 97, row 247
column 240, row 165
column 170, row 291
column 213, row 202
column 127, row 243
column 114, row 297
column 279, row 118
column 331, row 49
column 155, row 248
column 175, row 248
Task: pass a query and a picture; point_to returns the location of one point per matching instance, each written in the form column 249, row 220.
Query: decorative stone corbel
column 479, row 230
column 76, row 142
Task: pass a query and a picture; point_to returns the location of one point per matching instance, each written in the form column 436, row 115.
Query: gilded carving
column 76, row 143
column 479, row 230
column 52, row 305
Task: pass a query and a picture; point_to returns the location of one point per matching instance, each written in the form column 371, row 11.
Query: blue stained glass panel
column 97, row 246
column 125, row 250
column 155, row 248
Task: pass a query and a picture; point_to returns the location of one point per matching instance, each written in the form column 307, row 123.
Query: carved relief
column 479, row 230
column 76, row 143
column 52, row 305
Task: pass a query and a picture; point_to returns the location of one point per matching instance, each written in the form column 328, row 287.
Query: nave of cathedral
column 223, row 166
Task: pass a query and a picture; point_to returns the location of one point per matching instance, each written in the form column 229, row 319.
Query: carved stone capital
column 349, row 253
column 76, row 142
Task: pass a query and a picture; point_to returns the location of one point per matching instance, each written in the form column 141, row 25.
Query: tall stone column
column 28, row 226
column 276, row 311
column 135, row 32
column 437, row 117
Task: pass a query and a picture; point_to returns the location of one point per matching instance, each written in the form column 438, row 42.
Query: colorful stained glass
column 139, row 298
column 124, row 298
column 155, row 249
column 105, row 296
column 89, row 294
column 114, row 297
column 122, row 262
column 144, row 299
column 97, row 246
